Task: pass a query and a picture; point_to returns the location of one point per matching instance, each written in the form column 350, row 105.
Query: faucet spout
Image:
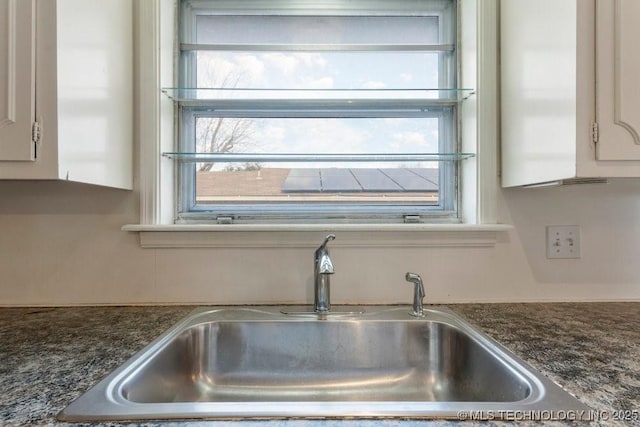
column 323, row 268
column 327, row 239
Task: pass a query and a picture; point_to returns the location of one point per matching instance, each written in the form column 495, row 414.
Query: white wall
column 60, row 244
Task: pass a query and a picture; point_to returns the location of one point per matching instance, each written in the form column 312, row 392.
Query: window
column 318, row 111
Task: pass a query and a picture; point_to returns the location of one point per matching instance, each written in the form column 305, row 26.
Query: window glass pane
column 314, row 180
column 286, row 95
column 307, row 183
column 319, row 135
column 260, row 29
column 318, row 70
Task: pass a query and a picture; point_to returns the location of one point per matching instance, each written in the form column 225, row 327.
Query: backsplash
column 61, row 244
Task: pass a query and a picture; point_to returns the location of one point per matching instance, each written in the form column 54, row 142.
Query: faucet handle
column 418, row 293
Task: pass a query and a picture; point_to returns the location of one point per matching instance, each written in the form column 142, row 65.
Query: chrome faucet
column 418, row 293
column 323, row 267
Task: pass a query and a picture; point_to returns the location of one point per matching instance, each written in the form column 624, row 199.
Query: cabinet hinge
column 224, row 220
column 412, row 219
column 36, row 134
column 595, row 133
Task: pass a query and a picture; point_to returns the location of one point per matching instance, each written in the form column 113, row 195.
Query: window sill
column 307, row 235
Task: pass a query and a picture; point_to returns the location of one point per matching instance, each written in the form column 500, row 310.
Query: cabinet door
column 618, row 79
column 17, row 77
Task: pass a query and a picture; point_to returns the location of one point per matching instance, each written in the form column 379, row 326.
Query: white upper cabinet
column 17, row 79
column 570, row 90
column 618, row 79
column 84, row 73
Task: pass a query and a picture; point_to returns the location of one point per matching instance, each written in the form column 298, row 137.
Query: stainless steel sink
column 258, row 362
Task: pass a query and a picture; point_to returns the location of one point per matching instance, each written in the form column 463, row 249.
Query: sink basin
column 259, row 362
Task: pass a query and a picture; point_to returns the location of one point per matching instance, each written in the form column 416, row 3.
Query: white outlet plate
column 563, row 241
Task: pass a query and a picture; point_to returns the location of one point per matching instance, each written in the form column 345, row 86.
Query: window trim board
column 155, row 34
column 448, row 187
column 305, row 235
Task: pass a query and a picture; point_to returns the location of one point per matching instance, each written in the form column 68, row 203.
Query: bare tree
column 223, row 134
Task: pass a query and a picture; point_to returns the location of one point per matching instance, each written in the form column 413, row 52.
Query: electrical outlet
column 563, row 241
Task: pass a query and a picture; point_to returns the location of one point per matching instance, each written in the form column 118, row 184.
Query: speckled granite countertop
column 50, row 356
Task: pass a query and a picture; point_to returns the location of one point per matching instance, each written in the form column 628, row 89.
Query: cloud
column 409, row 141
column 212, row 69
column 311, row 59
column 269, row 69
column 273, row 132
column 225, row 70
column 374, row 85
column 407, row 77
column 321, row 83
column 284, row 63
column 396, row 121
column 315, row 135
column 251, row 67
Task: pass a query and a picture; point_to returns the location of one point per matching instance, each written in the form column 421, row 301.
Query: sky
column 326, row 70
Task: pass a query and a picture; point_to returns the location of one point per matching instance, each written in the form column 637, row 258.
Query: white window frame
column 188, row 211
column 155, row 59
